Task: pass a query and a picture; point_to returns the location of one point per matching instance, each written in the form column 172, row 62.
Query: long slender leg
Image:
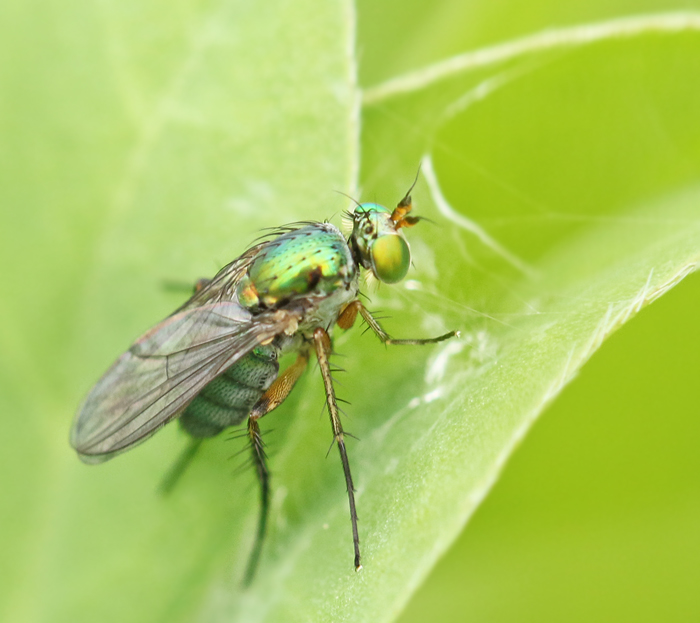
column 322, row 342
column 271, row 399
column 263, row 474
column 179, row 467
column 347, row 319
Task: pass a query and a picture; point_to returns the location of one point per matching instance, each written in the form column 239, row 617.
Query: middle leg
column 322, row 342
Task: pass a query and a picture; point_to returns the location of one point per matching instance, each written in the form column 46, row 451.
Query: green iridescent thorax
column 379, row 245
column 312, row 260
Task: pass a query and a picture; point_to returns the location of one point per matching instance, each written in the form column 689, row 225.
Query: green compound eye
column 390, row 258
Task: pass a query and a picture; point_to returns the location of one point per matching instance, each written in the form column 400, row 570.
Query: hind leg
column 271, row 399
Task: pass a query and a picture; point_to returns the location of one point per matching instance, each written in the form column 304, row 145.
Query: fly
column 213, row 363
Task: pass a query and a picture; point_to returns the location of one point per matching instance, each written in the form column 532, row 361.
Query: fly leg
column 179, row 286
column 178, row 469
column 322, row 342
column 261, row 471
column 175, row 473
column 347, row 319
column 271, row 399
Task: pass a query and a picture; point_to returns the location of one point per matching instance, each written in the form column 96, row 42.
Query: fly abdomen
column 228, row 399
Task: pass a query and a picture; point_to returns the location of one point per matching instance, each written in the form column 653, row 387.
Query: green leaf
column 147, row 144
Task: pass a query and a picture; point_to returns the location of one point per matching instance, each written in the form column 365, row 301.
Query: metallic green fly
column 214, row 362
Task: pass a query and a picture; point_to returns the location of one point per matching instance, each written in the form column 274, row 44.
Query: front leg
column 349, row 314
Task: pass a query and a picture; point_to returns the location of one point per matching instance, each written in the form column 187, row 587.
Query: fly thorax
column 325, row 310
column 311, row 261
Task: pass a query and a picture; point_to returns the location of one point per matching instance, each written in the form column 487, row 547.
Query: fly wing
column 223, row 286
column 164, row 370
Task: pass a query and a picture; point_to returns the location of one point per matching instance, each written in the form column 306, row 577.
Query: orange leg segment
column 281, row 388
column 347, row 317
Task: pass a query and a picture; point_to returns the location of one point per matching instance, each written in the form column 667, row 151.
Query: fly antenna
column 406, row 201
column 404, row 207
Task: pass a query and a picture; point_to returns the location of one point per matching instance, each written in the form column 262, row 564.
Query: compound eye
column 391, row 258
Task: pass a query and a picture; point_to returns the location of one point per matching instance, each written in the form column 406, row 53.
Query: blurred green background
column 147, row 142
column 596, row 516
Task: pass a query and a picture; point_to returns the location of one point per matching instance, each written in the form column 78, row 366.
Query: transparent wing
column 223, row 285
column 164, row 370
